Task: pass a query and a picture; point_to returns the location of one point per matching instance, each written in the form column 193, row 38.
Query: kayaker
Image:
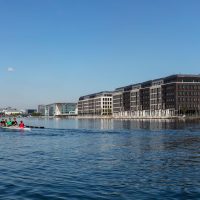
column 14, row 122
column 9, row 122
column 3, row 123
column 21, row 125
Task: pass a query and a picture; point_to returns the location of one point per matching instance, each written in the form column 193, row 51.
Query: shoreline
column 121, row 118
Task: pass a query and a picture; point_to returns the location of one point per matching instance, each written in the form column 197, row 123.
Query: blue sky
column 58, row 50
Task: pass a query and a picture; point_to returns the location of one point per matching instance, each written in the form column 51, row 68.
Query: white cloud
column 10, row 69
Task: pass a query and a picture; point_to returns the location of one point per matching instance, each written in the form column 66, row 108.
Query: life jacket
column 9, row 123
column 21, row 125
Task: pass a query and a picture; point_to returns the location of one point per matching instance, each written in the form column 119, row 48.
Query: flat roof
column 143, row 84
column 60, row 103
column 95, row 94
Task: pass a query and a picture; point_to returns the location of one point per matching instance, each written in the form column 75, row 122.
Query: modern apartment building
column 60, row 109
column 168, row 96
column 95, row 104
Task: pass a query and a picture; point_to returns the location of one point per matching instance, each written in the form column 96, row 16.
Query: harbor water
column 106, row 159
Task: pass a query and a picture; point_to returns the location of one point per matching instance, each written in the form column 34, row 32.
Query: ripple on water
column 100, row 164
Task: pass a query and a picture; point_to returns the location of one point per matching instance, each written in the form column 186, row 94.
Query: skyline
column 57, row 51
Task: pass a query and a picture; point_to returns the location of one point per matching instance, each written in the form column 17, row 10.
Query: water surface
column 101, row 159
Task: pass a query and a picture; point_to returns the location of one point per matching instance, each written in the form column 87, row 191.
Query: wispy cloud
column 10, row 69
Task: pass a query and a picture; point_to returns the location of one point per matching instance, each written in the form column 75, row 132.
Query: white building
column 11, row 111
column 60, row 109
column 95, row 104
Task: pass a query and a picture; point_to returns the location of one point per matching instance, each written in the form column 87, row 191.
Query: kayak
column 16, row 128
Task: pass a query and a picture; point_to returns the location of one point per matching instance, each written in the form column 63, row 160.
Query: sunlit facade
column 95, row 104
column 60, row 109
column 164, row 97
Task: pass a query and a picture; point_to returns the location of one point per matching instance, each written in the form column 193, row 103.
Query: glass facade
column 60, row 109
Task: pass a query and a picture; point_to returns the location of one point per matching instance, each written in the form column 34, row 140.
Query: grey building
column 168, row 96
column 41, row 109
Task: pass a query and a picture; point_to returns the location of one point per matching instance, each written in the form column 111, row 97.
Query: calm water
column 101, row 159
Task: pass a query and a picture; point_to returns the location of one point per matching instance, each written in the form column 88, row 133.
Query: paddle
column 34, row 126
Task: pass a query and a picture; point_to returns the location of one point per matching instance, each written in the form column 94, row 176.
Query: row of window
column 170, row 94
column 189, row 87
column 107, row 99
column 156, row 90
column 135, row 93
column 188, row 99
column 189, row 105
column 135, row 100
column 156, row 107
column 156, row 101
column 155, row 96
column 169, row 106
column 107, row 103
column 107, row 106
column 189, row 93
column 170, row 100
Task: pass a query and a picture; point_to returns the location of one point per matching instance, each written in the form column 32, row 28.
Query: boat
column 16, row 128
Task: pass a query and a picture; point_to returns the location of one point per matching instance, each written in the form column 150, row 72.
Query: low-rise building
column 11, row 111
column 60, row 109
column 95, row 104
column 31, row 111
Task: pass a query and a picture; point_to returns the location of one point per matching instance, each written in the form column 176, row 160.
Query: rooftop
column 148, row 83
column 95, row 95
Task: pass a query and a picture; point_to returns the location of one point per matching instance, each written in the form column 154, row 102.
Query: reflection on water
column 113, row 124
column 101, row 159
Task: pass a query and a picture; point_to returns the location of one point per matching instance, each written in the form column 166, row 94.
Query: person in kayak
column 21, row 125
column 3, row 123
column 14, row 122
column 9, row 122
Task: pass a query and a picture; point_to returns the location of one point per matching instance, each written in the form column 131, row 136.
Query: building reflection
column 148, row 124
